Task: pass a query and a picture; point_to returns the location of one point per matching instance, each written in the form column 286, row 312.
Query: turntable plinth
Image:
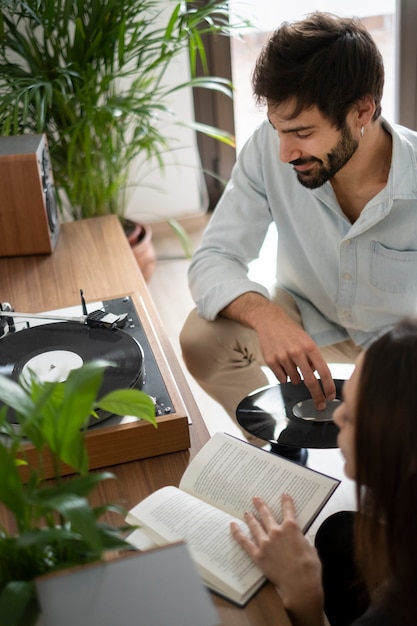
column 125, row 442
column 95, row 256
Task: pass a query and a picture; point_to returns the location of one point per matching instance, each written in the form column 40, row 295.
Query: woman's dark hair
column 323, row 60
column 386, row 468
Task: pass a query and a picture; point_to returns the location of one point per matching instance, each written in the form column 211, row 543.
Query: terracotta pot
column 140, row 239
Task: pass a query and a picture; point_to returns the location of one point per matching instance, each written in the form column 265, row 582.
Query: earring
column 362, row 131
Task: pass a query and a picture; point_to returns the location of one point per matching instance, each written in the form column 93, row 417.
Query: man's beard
column 336, row 159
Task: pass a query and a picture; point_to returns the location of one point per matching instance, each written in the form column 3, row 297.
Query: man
column 341, row 186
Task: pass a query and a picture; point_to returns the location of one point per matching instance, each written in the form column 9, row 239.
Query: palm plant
column 91, row 75
column 55, row 525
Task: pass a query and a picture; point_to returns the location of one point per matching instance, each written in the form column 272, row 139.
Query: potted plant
column 91, row 75
column 53, row 525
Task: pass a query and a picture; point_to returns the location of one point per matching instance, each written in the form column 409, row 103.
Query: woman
column 378, row 440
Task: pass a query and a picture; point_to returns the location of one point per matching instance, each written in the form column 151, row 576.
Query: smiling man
column 340, row 184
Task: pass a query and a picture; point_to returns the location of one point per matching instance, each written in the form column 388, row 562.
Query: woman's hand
column 287, row 559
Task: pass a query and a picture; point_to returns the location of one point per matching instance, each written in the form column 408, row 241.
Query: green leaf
column 182, row 236
column 212, row 131
column 129, row 402
column 34, row 425
column 12, row 494
column 18, row 606
column 37, row 539
column 80, row 486
column 78, row 512
column 12, row 394
column 65, row 427
column 112, row 541
column 80, row 516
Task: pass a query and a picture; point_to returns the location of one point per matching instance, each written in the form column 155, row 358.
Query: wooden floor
column 169, row 289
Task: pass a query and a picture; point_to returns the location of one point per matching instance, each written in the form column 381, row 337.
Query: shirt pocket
column 393, row 271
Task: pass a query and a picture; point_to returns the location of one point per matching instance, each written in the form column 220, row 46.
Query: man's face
column 308, row 142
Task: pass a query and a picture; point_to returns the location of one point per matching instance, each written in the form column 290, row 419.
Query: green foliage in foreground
column 56, row 526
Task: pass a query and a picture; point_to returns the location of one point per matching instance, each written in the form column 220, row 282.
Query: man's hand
column 287, row 559
column 287, row 349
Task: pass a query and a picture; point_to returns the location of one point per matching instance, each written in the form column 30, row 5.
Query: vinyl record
column 284, row 413
column 53, row 350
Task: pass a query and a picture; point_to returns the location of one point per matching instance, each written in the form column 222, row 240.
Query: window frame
column 215, row 109
column 406, row 65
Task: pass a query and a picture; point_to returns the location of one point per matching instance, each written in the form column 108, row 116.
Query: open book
column 216, row 488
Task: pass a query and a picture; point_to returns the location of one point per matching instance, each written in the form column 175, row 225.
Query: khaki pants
column 225, row 359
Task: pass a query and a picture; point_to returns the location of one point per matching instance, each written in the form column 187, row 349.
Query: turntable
column 53, row 343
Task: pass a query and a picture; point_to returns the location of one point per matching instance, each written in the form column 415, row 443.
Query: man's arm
column 287, row 349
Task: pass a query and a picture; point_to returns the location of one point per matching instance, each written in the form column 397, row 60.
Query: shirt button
column 347, row 276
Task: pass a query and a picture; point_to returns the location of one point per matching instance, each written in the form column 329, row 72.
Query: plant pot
column 140, row 239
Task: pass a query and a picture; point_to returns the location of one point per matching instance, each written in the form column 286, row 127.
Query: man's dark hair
column 323, row 60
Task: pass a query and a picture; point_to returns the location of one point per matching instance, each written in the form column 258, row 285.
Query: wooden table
column 94, row 255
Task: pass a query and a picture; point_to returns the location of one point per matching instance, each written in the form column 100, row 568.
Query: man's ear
column 364, row 111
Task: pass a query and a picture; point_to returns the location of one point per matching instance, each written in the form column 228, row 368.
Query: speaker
column 29, row 221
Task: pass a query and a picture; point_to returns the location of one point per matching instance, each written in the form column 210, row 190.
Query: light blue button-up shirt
column 349, row 280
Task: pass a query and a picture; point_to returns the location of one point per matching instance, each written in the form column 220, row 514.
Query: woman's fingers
column 287, row 506
column 247, row 543
column 262, row 527
column 267, row 517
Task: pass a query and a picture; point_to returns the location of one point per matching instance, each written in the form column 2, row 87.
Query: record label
column 53, row 366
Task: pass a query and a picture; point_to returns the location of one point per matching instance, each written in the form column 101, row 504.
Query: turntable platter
column 53, row 350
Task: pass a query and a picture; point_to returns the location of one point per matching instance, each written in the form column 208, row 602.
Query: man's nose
column 288, row 149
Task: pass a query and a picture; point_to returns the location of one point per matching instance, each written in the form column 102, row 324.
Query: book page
column 228, row 473
column 170, row 515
